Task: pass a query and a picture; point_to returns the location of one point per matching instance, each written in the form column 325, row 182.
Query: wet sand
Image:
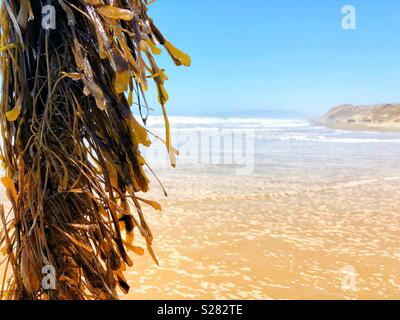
column 250, row 238
column 232, row 237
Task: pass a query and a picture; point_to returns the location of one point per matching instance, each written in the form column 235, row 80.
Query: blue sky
column 280, row 55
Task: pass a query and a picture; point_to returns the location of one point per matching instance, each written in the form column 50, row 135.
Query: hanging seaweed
column 71, row 70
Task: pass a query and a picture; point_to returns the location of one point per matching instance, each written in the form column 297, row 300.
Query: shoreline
column 388, row 127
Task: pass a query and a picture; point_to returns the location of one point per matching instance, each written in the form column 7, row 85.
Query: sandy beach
column 378, row 127
column 252, row 243
column 255, row 243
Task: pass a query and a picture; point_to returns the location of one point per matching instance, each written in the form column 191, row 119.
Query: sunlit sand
column 253, row 243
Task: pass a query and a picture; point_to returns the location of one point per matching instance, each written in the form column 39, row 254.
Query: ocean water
column 289, row 149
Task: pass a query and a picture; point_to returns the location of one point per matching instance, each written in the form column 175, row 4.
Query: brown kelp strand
column 71, row 70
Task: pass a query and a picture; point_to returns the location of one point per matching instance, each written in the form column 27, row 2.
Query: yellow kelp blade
column 170, row 149
column 179, row 57
column 13, row 114
column 154, row 204
column 8, row 183
column 122, row 80
column 140, row 132
column 115, row 13
column 154, row 49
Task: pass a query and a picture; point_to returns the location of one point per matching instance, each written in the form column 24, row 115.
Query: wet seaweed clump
column 71, row 70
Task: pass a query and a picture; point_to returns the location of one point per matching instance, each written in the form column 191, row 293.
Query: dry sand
column 236, row 237
column 377, row 127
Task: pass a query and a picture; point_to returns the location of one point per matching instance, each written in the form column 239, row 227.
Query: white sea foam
column 228, row 122
column 272, row 130
column 304, row 137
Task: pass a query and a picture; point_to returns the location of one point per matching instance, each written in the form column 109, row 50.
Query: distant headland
column 379, row 117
